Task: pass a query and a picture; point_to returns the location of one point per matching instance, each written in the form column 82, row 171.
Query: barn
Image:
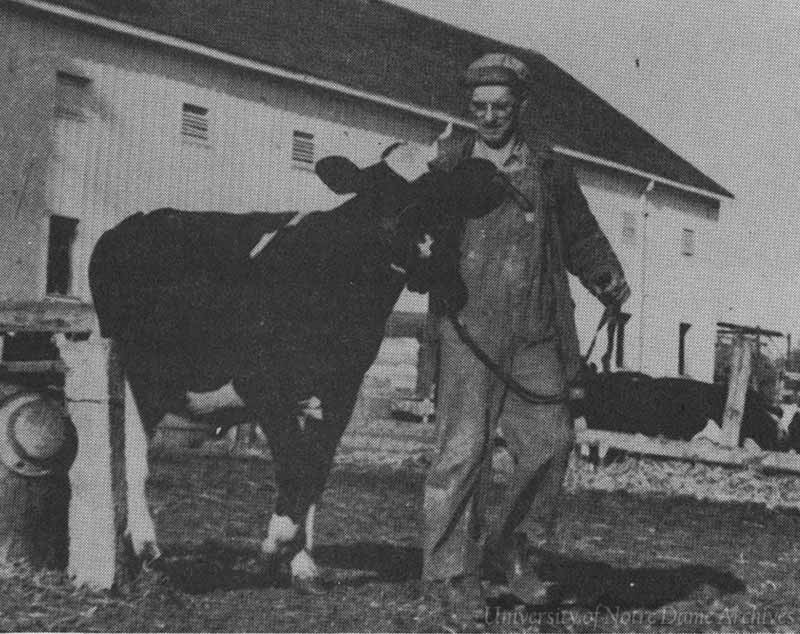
column 119, row 106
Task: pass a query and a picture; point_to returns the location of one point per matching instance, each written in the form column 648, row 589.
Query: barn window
column 302, row 148
column 682, row 331
column 628, row 227
column 687, row 242
column 195, row 122
column 61, row 241
column 72, row 93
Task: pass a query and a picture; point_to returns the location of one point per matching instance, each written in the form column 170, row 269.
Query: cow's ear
column 340, row 174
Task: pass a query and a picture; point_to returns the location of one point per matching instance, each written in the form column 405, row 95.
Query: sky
column 719, row 83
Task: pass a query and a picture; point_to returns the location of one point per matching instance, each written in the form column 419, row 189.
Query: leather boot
column 510, row 561
column 462, row 599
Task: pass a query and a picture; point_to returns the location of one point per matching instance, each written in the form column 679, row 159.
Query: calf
column 280, row 321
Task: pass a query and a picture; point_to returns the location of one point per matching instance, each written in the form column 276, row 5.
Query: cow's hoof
column 151, row 557
column 309, row 585
column 146, row 554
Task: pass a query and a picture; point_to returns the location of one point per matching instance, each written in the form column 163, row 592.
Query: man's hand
column 610, row 288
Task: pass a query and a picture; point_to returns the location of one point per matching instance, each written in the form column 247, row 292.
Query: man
column 514, row 262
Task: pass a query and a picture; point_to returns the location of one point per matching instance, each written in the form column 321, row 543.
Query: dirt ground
column 634, row 563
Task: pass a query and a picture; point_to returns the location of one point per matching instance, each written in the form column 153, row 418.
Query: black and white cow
column 222, row 311
column 677, row 408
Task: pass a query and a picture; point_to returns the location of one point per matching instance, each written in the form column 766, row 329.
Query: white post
column 92, row 543
column 737, row 392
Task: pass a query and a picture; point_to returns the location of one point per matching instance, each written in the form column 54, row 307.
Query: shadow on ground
column 578, row 583
column 215, row 565
column 584, row 583
column 388, row 562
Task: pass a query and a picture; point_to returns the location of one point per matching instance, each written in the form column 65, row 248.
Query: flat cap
column 497, row 69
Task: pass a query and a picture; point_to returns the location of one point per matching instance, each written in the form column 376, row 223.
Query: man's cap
column 499, row 69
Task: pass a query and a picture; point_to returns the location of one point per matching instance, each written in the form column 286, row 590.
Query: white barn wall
column 129, row 155
column 668, row 288
column 682, row 288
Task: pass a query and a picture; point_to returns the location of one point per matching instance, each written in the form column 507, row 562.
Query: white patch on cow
column 310, row 516
column 263, row 242
column 201, row 403
column 711, row 432
column 141, row 527
column 425, row 247
column 410, row 161
column 281, row 529
column 303, row 566
column 789, row 411
column 311, row 408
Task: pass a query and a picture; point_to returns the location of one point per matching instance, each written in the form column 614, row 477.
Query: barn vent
column 302, row 148
column 72, row 92
column 687, row 242
column 195, row 122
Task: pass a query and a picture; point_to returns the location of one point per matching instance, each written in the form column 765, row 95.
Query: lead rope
column 609, row 317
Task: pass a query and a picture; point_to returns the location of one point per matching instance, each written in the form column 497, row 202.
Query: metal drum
column 37, row 437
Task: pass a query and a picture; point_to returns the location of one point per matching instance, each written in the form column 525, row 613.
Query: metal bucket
column 37, row 437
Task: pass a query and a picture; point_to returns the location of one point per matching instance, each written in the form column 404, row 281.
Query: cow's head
column 419, row 212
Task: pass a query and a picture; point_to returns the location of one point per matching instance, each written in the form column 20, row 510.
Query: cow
column 278, row 317
column 676, row 408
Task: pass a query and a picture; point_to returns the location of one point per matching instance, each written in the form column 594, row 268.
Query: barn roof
column 382, row 49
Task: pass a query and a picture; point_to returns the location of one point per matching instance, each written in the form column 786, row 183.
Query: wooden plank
column 693, row 452
column 47, row 315
column 738, row 383
column 405, row 324
column 29, row 367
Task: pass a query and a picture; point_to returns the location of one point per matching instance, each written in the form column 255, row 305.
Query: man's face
column 495, row 111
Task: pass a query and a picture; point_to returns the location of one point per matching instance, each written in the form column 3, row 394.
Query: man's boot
column 509, row 560
column 462, row 598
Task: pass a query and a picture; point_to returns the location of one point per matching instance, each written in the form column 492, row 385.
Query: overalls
column 510, row 313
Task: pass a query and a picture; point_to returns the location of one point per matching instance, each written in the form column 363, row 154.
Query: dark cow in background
column 677, row 408
column 219, row 311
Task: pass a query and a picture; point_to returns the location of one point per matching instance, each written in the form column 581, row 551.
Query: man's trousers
column 470, row 402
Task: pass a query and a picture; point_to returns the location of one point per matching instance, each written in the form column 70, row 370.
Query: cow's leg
column 285, row 442
column 141, row 528
column 322, row 431
column 291, row 524
column 305, row 573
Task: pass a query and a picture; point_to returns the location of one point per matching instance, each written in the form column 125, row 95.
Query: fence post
column 94, row 517
column 738, row 382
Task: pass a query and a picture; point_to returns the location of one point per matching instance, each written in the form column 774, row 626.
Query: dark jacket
column 577, row 244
